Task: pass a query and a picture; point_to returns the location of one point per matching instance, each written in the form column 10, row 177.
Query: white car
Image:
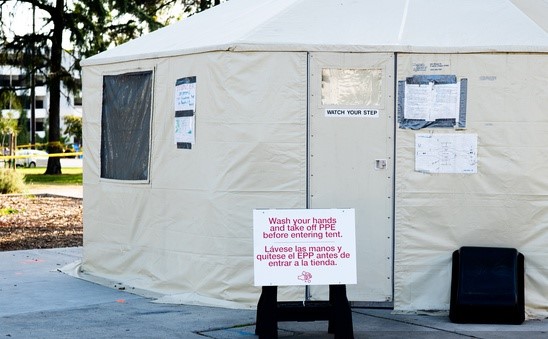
column 34, row 158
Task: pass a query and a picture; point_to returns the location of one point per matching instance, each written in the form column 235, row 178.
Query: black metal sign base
column 336, row 311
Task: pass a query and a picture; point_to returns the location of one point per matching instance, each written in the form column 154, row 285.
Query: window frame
column 146, row 181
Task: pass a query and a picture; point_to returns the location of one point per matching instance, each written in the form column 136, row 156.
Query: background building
column 15, row 77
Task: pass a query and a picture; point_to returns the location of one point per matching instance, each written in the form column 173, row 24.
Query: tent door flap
column 351, row 156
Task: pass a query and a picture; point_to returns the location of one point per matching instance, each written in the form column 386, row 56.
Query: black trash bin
column 487, row 286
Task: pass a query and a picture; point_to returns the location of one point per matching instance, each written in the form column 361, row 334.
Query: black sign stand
column 336, row 311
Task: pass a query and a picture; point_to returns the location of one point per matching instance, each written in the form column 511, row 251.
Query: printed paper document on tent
column 446, row 153
column 184, row 129
column 432, row 101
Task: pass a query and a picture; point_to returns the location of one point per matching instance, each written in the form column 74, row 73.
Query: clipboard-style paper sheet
column 432, row 101
column 446, row 153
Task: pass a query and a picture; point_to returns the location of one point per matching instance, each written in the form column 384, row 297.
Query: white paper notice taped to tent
column 185, row 94
column 304, row 247
column 184, row 130
column 185, row 110
column 432, row 101
column 446, row 153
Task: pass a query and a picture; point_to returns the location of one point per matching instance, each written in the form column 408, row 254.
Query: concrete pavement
column 37, row 300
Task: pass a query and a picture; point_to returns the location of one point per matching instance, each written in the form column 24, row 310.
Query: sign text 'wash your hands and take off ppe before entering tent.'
column 304, row 247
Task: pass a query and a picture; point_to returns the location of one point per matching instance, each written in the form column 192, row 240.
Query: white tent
column 175, row 218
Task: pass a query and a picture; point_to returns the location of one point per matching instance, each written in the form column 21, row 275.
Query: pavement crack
column 408, row 322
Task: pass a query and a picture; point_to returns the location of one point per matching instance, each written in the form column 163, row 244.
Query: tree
column 23, row 129
column 74, row 127
column 8, row 128
column 204, row 4
column 93, row 26
column 8, row 122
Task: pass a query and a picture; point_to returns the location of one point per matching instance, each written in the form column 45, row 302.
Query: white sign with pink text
column 304, row 247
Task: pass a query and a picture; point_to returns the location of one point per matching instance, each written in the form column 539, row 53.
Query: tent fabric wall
column 190, row 229
column 504, row 205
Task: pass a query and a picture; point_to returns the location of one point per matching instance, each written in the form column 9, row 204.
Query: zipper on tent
column 307, row 295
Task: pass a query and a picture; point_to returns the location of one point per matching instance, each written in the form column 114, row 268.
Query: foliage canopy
column 66, row 31
column 74, row 127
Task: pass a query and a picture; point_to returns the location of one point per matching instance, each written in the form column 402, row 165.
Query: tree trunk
column 54, row 145
column 204, row 4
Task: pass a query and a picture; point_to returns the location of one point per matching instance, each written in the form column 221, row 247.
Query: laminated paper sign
column 353, row 113
column 304, row 247
column 185, row 94
column 185, row 108
column 184, row 129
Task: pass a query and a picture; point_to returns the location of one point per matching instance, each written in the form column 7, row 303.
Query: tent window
column 351, row 87
column 125, row 126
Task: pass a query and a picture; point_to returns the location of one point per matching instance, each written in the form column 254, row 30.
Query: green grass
column 36, row 176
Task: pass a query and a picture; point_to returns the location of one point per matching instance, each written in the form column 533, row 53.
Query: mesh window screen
column 125, row 126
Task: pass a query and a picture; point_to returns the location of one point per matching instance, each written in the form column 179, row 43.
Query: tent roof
column 421, row 26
